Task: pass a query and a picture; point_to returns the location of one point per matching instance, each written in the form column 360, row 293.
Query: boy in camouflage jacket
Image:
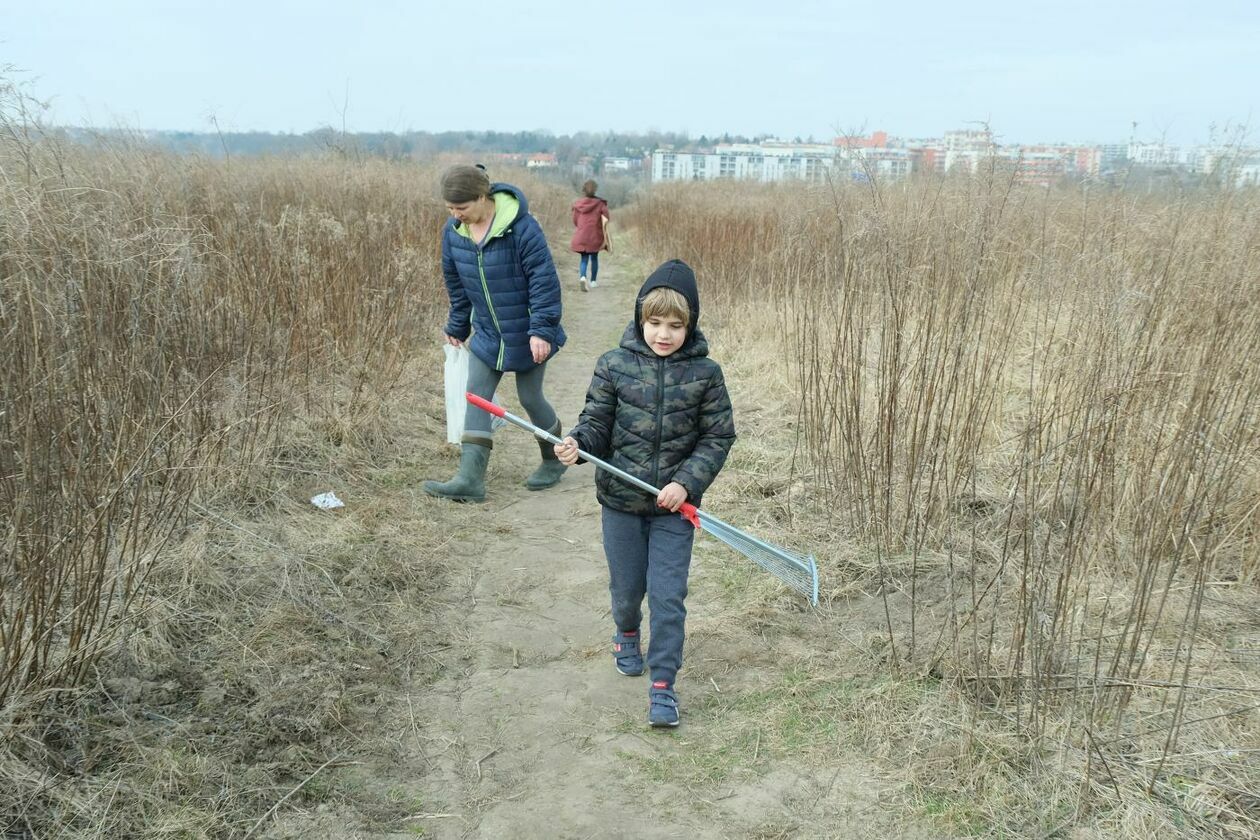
column 657, row 408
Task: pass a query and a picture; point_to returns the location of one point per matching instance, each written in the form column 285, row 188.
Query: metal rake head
column 796, row 571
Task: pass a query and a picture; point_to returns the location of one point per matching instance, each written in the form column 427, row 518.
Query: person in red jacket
column 590, row 235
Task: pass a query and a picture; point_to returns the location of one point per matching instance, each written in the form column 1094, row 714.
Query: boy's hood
column 676, row 275
column 588, row 205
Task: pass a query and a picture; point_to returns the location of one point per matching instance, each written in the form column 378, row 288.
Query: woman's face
column 471, row 212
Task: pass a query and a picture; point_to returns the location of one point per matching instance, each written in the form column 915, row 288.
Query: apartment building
column 1038, row 166
column 768, row 161
column 887, row 158
column 927, row 154
column 1113, row 156
column 882, row 164
column 1153, row 154
column 965, row 149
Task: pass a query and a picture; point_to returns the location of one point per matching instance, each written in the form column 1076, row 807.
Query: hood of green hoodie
column 506, row 207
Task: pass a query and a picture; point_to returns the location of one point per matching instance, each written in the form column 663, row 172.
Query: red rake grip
column 688, row 511
column 484, row 405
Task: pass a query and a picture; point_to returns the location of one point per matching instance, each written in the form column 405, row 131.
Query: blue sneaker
column 662, row 705
column 626, row 653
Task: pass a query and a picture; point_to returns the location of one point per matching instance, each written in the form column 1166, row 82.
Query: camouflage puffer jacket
column 659, row 419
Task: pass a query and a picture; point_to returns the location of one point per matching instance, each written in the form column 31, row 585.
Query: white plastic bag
column 456, row 377
column 456, row 385
column 327, row 501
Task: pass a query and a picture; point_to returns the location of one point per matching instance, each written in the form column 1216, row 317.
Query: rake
column 797, row 571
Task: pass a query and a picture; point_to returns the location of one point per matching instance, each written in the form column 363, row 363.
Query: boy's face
column 664, row 333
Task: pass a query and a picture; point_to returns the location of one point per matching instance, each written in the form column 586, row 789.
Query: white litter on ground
column 327, row 501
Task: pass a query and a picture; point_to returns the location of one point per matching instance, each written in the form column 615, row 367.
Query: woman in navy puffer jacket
column 505, row 292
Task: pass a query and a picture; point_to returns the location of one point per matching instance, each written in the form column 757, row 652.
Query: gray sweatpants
column 650, row 555
column 483, row 380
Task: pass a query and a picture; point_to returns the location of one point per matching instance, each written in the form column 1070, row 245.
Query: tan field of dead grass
column 194, row 348
column 1017, row 427
column 1026, row 424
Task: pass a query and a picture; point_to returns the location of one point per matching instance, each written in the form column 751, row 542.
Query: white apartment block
column 1154, row 154
column 748, row 162
column 965, row 149
column 882, row 164
column 1225, row 161
column 968, row 140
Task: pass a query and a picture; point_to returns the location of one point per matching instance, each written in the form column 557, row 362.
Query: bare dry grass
column 192, row 349
column 1020, row 429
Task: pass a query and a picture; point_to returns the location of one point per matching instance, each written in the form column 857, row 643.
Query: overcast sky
column 1036, row 71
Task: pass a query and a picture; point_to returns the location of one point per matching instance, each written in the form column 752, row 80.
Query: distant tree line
column 568, row 148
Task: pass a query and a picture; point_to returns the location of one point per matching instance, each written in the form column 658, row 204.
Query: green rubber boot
column 549, row 471
column 469, row 484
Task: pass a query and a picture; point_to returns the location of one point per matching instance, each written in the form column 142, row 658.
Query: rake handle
column 687, row 510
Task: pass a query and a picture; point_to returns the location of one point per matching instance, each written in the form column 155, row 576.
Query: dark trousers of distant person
column 593, row 259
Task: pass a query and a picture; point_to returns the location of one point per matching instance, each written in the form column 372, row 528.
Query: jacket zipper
column 660, row 418
column 485, row 289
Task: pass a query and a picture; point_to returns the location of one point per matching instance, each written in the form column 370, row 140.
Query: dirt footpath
column 529, row 732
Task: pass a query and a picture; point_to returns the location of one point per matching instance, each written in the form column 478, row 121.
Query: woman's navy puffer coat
column 504, row 291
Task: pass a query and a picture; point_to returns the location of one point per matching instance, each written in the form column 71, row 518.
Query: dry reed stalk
column 186, row 335
column 163, row 316
column 1042, row 403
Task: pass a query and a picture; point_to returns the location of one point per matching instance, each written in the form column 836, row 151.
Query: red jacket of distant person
column 588, row 236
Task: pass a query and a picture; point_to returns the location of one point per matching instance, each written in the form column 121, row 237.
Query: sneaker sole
column 586, row 287
column 637, row 673
column 662, row 724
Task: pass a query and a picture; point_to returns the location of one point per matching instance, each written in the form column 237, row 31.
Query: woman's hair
column 462, row 184
column 664, row 302
column 588, row 189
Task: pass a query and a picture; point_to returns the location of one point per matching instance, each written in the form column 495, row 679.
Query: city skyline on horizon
column 1229, row 135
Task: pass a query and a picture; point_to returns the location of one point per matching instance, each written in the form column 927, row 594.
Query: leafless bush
column 1037, row 412
column 160, row 316
column 188, row 344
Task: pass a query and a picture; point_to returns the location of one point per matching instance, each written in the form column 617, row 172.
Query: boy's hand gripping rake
column 798, row 571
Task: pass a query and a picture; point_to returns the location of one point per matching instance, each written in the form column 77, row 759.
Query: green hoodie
column 505, row 209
